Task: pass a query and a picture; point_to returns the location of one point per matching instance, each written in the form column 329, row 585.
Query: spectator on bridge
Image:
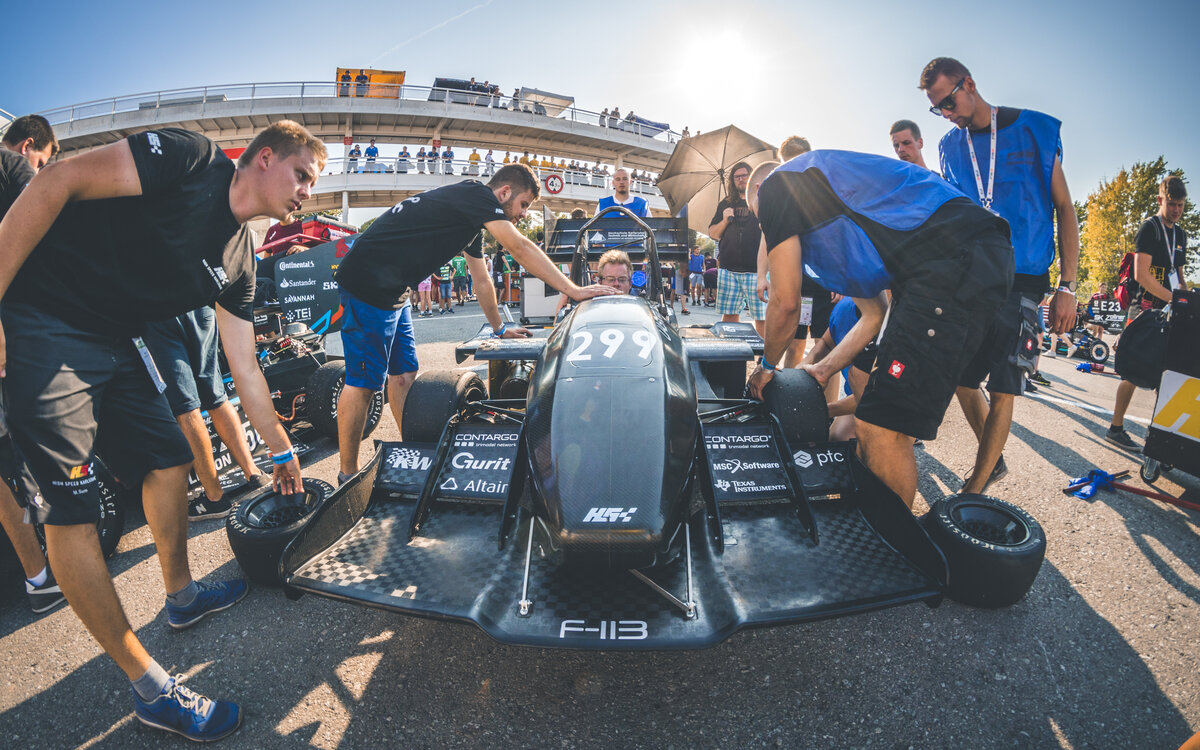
column 525, row 160
column 344, row 87
column 352, row 162
column 473, row 160
column 515, row 102
column 372, row 154
column 685, row 133
column 489, row 164
column 402, row 162
column 448, row 160
column 421, row 158
column 507, row 157
column 547, row 164
column 621, row 197
column 360, row 83
column 604, row 118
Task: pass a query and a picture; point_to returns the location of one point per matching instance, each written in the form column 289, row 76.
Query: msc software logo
column 408, row 458
column 802, row 459
column 79, row 472
column 609, row 515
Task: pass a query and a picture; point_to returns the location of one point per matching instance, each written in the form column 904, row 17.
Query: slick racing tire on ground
column 111, row 525
column 434, row 398
column 1098, row 352
column 259, row 527
column 321, row 396
column 798, row 402
column 993, row 549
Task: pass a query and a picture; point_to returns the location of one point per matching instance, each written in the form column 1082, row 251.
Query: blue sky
column 838, row 73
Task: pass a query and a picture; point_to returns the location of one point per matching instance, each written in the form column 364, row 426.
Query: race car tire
column 1098, row 351
column 321, row 396
column 993, row 548
column 259, row 527
column 111, row 525
column 434, row 398
column 798, row 402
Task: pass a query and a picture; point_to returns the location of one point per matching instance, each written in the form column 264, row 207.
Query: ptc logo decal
column 802, row 459
column 609, row 515
column 896, row 369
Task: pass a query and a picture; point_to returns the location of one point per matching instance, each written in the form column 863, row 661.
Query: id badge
column 148, row 361
column 806, row 305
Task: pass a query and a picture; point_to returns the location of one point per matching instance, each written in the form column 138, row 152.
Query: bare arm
column 857, row 338
column 532, row 258
column 760, row 285
column 485, row 294
column 237, row 339
column 1062, row 309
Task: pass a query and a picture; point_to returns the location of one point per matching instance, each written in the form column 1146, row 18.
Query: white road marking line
column 1081, row 405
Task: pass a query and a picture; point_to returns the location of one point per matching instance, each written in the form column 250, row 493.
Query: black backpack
column 1142, row 349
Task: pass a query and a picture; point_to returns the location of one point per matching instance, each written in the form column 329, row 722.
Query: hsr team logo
column 79, row 472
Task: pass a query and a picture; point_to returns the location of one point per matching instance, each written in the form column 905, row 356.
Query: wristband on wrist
column 763, row 363
column 500, row 331
column 279, row 459
column 1067, row 290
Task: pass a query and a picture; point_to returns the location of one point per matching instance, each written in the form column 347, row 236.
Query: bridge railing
column 375, row 92
column 398, row 170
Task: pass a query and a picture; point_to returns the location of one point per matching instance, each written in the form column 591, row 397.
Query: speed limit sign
column 554, row 184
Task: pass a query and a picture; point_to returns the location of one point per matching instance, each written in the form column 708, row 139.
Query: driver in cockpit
column 615, row 268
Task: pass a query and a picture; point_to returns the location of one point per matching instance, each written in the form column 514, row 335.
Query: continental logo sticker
column 1178, row 407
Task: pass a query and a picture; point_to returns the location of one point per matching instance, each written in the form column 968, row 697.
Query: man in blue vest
column 1010, row 162
column 863, row 224
column 621, row 196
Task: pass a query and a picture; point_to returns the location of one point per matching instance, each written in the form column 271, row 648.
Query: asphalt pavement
column 1102, row 653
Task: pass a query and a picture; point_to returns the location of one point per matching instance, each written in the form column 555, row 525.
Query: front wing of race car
column 818, row 536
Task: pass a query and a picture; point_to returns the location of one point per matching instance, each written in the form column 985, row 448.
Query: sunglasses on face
column 614, row 280
column 948, row 104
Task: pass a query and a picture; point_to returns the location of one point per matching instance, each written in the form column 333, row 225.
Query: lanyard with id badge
column 148, row 361
column 985, row 199
column 806, row 308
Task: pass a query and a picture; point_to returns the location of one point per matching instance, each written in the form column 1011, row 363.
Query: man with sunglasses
column 1010, row 162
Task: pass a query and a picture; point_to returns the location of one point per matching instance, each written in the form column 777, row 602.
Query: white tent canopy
column 554, row 103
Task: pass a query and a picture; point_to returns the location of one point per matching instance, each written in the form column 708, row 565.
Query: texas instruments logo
column 896, row 369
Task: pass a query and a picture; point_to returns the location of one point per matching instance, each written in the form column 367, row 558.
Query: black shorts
column 943, row 307
column 72, row 393
column 710, row 281
column 460, row 283
column 821, row 309
column 999, row 341
column 185, row 350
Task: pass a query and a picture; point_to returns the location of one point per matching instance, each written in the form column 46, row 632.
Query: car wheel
column 1098, row 351
column 434, row 398
column 798, row 402
column 993, row 548
column 259, row 527
column 1151, row 470
column 321, row 396
column 111, row 525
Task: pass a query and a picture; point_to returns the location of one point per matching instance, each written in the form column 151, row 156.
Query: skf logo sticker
column 79, row 472
column 609, row 515
column 896, row 370
column 155, row 143
column 802, row 459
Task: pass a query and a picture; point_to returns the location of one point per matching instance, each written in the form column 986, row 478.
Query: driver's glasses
column 948, row 104
column 614, row 280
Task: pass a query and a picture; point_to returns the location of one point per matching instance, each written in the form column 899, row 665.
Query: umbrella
column 697, row 173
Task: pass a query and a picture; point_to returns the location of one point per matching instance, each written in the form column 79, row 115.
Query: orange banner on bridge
column 369, row 82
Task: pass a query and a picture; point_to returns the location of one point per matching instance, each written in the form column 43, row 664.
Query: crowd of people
column 154, row 227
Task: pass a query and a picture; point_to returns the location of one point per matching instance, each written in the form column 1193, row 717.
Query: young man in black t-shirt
column 28, row 145
column 400, row 248
column 95, row 247
column 1161, row 255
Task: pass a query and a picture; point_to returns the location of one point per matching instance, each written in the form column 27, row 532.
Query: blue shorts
column 444, row 289
column 377, row 343
column 185, row 351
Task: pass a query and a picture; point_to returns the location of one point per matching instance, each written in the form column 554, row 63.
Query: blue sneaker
column 213, row 597
column 179, row 710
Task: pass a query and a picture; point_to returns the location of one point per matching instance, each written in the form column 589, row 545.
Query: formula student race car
column 618, row 492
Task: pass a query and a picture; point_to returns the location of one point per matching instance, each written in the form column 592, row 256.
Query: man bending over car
column 95, row 247
column 398, row 250
column 865, row 224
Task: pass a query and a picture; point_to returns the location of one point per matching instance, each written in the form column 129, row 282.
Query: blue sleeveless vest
column 890, row 192
column 1025, row 152
column 638, row 205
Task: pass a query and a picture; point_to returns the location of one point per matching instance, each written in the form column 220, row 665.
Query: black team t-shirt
column 15, row 174
column 416, row 237
column 738, row 247
column 109, row 266
column 1153, row 239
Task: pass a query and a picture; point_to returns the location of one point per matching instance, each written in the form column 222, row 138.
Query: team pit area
column 1101, row 652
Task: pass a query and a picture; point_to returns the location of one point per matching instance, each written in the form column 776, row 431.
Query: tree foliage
column 1110, row 218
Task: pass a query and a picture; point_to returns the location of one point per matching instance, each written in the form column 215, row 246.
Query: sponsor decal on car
column 286, row 284
column 605, row 630
column 609, row 515
column 287, row 265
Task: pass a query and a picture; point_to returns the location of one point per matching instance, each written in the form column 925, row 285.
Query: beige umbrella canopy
column 697, row 173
